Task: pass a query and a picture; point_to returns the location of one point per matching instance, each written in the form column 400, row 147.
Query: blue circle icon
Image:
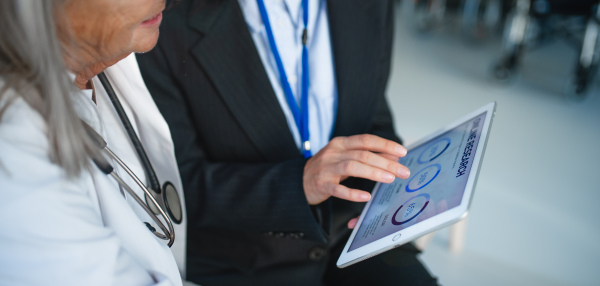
column 417, row 205
column 434, row 150
column 423, row 178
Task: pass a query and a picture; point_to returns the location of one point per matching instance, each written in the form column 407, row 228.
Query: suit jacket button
column 317, row 254
column 296, row 235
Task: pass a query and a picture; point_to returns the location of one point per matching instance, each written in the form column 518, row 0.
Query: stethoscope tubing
column 108, row 169
column 170, row 234
column 152, row 178
column 155, row 186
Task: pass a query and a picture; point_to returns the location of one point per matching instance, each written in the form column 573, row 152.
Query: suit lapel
column 352, row 58
column 227, row 53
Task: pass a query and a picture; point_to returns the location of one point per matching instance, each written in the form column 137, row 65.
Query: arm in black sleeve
column 383, row 123
column 254, row 197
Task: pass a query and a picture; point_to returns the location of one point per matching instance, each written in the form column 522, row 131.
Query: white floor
column 535, row 218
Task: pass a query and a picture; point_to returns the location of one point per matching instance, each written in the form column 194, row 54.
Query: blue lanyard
column 300, row 113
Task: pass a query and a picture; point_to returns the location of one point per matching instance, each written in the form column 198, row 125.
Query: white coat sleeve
column 51, row 230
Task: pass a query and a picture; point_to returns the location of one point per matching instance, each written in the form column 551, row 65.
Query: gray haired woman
column 65, row 222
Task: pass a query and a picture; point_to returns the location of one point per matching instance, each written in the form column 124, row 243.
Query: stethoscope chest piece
column 169, row 200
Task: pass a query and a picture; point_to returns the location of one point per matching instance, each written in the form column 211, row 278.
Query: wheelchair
column 477, row 18
column 532, row 22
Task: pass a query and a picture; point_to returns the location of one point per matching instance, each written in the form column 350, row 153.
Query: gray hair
column 32, row 64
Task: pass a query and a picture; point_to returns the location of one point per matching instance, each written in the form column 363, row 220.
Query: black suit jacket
column 249, row 221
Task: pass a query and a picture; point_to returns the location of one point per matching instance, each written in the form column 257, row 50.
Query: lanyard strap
column 300, row 113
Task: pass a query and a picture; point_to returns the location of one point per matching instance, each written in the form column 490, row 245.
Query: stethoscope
column 158, row 201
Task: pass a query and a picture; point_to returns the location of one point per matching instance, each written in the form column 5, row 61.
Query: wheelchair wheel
column 480, row 17
column 576, row 90
column 502, row 74
column 505, row 70
column 428, row 14
column 578, row 86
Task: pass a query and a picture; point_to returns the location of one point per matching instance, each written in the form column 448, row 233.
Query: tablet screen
column 439, row 171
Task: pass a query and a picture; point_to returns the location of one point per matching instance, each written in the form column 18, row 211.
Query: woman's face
column 105, row 31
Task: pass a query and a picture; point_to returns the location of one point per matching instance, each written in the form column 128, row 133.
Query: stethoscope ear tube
column 94, row 136
column 107, row 169
column 100, row 162
column 170, row 234
column 104, row 166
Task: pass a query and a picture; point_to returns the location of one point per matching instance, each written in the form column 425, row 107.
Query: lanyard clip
column 306, row 149
column 306, row 145
column 304, row 37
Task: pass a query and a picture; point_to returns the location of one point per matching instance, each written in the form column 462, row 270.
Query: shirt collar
column 254, row 20
column 88, row 93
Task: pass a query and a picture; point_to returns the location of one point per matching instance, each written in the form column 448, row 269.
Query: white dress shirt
column 286, row 21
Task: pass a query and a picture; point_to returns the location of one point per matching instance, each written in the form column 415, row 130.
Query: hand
column 352, row 156
column 352, row 223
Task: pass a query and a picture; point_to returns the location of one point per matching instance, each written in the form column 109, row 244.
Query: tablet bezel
column 436, row 222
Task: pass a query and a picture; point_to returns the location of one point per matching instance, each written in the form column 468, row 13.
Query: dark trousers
column 397, row 267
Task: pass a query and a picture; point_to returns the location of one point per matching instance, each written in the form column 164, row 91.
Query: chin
column 146, row 43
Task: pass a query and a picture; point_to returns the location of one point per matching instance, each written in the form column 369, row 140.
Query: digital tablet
column 444, row 168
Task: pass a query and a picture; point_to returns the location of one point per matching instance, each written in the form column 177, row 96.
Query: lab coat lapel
column 154, row 135
column 228, row 54
column 133, row 235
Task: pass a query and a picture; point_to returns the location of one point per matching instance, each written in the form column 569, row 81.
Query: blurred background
column 534, row 218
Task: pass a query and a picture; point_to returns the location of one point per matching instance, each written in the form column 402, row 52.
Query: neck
column 85, row 73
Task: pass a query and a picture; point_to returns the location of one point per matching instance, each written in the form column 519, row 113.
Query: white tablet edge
column 431, row 224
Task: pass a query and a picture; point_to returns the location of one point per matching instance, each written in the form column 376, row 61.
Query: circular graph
column 434, row 150
column 410, row 209
column 423, row 178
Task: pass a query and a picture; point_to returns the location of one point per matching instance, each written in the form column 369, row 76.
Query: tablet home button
column 396, row 237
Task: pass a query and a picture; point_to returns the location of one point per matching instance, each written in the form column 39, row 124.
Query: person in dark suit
column 261, row 213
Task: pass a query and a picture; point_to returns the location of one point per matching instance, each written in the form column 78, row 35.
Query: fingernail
column 388, row 177
column 404, row 172
column 401, row 151
column 364, row 196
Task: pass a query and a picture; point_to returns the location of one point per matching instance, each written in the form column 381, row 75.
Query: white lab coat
column 82, row 231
